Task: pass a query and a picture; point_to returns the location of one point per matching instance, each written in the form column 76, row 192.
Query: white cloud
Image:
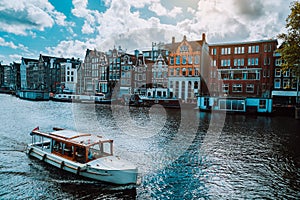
column 11, row 45
column 70, row 48
column 90, row 16
column 26, row 15
column 160, row 10
column 132, row 24
column 7, row 44
column 235, row 20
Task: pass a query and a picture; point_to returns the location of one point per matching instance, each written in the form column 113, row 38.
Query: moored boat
column 84, row 154
column 153, row 96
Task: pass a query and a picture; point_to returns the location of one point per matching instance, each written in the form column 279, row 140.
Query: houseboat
column 34, row 95
column 236, row 104
column 153, row 96
column 84, row 154
column 98, row 99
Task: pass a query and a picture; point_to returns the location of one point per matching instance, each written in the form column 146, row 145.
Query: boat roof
column 78, row 137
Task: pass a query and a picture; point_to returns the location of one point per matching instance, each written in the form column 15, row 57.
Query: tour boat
column 154, row 96
column 85, row 154
column 75, row 98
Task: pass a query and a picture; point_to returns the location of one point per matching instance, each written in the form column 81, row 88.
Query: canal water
column 180, row 153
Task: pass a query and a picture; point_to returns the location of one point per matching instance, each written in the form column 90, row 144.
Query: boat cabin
column 72, row 145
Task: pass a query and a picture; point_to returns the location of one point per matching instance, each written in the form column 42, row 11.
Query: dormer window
column 184, row 48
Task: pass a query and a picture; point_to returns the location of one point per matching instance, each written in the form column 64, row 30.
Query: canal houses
column 9, row 74
column 69, row 74
column 114, row 69
column 285, row 90
column 160, row 72
column 126, row 82
column 93, row 75
column 184, row 67
column 244, row 82
column 40, row 77
column 236, row 77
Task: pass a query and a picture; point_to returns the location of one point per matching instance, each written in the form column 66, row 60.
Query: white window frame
column 276, row 82
column 235, row 87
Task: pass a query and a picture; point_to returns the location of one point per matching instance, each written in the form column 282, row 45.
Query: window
column 183, row 72
column 252, row 61
column 177, row 71
column 171, row 72
column 225, row 51
column 196, row 72
column 197, row 59
column 267, row 61
column 147, row 54
column 286, row 83
column 183, row 60
column 239, row 50
column 268, row 47
column 225, row 63
column 250, row 88
column 184, row 48
column 237, row 88
column 265, row 73
column 214, row 63
column 262, row 103
column 238, row 62
column 190, row 60
column 213, row 51
column 225, row 88
column 294, row 83
column 172, row 60
column 190, row 71
column 224, row 75
column 265, row 47
column 277, row 72
column 177, row 60
column 256, row 49
column 277, row 83
column 253, row 49
column 286, row 73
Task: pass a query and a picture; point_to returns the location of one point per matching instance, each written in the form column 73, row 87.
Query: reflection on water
column 253, row 156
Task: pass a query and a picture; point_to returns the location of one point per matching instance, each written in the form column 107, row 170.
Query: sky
column 67, row 28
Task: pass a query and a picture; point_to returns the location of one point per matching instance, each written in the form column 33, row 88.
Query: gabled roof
column 196, row 45
column 27, row 60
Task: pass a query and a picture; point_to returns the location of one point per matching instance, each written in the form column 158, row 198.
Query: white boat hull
column 88, row 170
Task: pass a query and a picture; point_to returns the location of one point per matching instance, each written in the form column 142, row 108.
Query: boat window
column 56, row 146
column 159, row 93
column 99, row 150
column 80, row 154
column 68, row 150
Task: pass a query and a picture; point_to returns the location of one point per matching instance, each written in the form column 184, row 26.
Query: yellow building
column 184, row 67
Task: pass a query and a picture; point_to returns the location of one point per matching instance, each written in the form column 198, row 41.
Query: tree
column 290, row 49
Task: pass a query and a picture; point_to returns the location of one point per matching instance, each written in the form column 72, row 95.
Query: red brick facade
column 242, row 69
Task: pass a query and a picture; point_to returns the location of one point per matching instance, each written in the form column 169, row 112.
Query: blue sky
column 66, row 28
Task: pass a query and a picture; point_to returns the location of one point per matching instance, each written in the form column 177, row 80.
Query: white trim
column 284, row 93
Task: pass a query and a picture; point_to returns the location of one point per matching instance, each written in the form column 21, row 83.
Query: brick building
column 93, row 75
column 285, row 89
column 184, row 64
column 241, row 76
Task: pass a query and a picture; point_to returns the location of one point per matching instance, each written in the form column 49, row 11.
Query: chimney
column 203, row 37
column 173, row 40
